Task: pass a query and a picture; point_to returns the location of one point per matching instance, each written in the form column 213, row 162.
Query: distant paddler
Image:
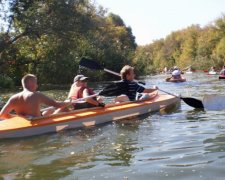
column 176, row 76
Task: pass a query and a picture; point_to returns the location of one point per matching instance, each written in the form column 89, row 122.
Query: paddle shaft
column 196, row 103
column 169, row 93
column 118, row 74
column 190, row 101
column 94, row 65
column 73, row 101
column 112, row 72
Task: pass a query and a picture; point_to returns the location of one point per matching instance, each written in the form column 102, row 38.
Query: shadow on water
column 196, row 115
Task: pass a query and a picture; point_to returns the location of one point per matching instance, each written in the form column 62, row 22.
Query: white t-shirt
column 176, row 72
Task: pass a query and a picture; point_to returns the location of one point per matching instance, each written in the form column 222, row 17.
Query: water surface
column 182, row 144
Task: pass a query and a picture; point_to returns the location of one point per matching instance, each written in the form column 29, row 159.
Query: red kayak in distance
column 222, row 76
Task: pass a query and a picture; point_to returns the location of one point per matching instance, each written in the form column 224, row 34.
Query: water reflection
column 196, row 115
column 216, row 145
column 179, row 144
column 47, row 155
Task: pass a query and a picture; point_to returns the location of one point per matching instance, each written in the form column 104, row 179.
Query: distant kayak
column 170, row 79
column 188, row 72
column 222, row 76
column 212, row 73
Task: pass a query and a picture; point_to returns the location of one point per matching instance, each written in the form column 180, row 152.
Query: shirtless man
column 28, row 102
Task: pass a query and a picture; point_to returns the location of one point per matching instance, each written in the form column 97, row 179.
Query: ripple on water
column 182, row 144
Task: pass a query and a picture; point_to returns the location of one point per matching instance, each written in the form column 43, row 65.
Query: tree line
column 200, row 48
column 48, row 38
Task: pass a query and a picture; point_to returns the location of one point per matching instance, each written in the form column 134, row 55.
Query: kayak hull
column 212, row 73
column 21, row 127
column 188, row 72
column 175, row 80
column 221, row 76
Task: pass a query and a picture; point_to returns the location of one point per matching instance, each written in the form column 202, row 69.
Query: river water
column 182, row 144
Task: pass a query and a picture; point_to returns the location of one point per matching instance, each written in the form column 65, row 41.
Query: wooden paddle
column 94, row 65
column 196, row 103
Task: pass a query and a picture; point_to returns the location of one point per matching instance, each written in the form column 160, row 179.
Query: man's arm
column 51, row 102
column 89, row 100
column 5, row 112
column 71, row 92
column 141, row 89
column 150, row 90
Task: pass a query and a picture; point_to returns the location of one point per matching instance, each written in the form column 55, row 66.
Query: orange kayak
column 22, row 127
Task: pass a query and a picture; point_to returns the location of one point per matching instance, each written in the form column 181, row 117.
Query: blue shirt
column 133, row 88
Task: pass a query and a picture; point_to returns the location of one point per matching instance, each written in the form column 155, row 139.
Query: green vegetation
column 48, row 38
column 6, row 82
column 194, row 46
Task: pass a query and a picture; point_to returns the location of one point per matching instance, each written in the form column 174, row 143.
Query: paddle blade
column 196, row 103
column 91, row 64
column 114, row 89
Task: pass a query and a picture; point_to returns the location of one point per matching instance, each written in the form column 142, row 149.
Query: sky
column 155, row 19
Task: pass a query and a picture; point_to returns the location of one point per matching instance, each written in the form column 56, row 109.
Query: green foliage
column 48, row 38
column 6, row 82
column 194, row 46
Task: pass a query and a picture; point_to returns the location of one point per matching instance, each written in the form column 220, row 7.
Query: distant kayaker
column 165, row 70
column 127, row 76
column 176, row 74
column 222, row 72
column 212, row 69
column 79, row 89
column 27, row 103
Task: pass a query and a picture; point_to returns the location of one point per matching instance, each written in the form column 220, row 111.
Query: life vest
column 78, row 92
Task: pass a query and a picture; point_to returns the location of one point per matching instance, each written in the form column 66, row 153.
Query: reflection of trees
column 61, row 155
column 213, row 145
column 49, row 155
column 169, row 109
column 124, row 142
column 196, row 115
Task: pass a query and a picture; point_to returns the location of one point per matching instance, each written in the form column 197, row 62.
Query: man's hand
column 101, row 104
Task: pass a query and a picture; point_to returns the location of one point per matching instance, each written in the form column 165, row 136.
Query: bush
column 6, row 82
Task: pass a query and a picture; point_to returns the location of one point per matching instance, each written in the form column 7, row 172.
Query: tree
column 50, row 36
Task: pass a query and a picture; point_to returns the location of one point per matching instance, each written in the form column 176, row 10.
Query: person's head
column 127, row 73
column 29, row 82
column 176, row 73
column 80, row 80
